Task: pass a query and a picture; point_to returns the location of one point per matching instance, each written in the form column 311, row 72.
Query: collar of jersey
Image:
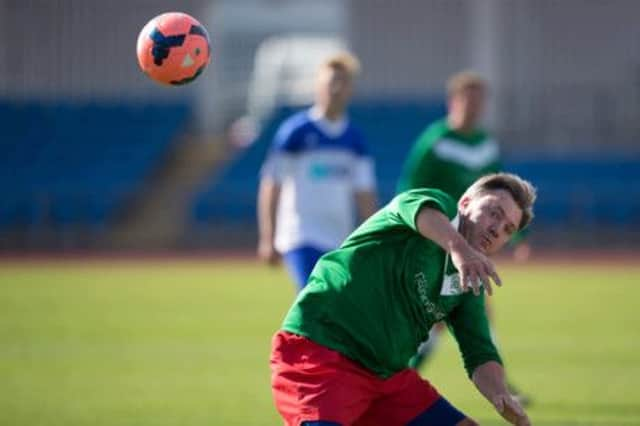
column 332, row 129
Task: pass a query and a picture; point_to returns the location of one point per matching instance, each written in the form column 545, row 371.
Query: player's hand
column 267, row 252
column 475, row 269
column 510, row 410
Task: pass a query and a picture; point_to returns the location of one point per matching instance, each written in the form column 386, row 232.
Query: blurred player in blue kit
column 318, row 179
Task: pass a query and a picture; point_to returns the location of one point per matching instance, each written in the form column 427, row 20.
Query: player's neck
column 461, row 126
column 328, row 112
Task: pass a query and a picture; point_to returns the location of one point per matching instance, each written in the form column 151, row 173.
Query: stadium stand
column 584, row 189
column 76, row 165
column 573, row 191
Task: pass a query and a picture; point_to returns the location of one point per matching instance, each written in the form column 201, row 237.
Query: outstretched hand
column 510, row 410
column 475, row 269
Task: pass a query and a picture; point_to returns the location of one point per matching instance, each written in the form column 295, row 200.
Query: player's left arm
column 364, row 184
column 489, row 378
column 470, row 327
column 367, row 204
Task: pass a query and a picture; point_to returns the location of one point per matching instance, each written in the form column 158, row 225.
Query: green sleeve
column 419, row 170
column 469, row 325
column 404, row 208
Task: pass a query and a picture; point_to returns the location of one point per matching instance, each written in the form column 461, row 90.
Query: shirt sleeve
column 280, row 160
column 469, row 325
column 278, row 166
column 404, row 208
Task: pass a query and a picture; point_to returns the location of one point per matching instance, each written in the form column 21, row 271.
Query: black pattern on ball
column 162, row 45
column 189, row 79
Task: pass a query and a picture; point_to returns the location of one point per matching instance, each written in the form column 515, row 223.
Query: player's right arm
column 277, row 167
column 268, row 196
column 473, row 266
column 430, row 212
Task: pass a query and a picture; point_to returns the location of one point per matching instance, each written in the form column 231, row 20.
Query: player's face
column 468, row 104
column 334, row 87
column 491, row 219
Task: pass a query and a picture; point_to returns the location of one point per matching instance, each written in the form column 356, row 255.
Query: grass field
column 164, row 342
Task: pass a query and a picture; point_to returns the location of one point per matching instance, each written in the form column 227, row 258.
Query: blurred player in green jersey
column 451, row 154
column 341, row 356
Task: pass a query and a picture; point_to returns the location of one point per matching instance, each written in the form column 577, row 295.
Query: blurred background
column 98, row 162
column 96, row 156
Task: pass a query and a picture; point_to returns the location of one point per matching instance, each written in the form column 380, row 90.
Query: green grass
column 187, row 343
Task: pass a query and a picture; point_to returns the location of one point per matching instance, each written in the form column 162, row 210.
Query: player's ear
column 463, row 203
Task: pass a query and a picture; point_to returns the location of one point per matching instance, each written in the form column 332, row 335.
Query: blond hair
column 344, row 61
column 465, row 80
column 522, row 192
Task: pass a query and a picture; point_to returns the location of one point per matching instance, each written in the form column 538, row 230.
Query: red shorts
column 313, row 383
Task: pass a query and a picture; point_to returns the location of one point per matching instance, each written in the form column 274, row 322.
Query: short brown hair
column 522, row 191
column 463, row 80
column 344, row 61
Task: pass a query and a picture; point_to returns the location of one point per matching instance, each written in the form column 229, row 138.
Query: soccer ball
column 173, row 48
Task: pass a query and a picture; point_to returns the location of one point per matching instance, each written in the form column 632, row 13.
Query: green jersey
column 448, row 160
column 375, row 298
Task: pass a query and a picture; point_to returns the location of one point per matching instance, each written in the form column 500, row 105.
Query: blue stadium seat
column 76, row 164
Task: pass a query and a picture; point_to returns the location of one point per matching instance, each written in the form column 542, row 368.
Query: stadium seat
column 77, row 164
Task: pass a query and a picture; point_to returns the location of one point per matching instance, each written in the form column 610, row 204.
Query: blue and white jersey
column 319, row 164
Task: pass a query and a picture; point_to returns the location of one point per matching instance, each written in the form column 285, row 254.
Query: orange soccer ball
column 173, row 48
